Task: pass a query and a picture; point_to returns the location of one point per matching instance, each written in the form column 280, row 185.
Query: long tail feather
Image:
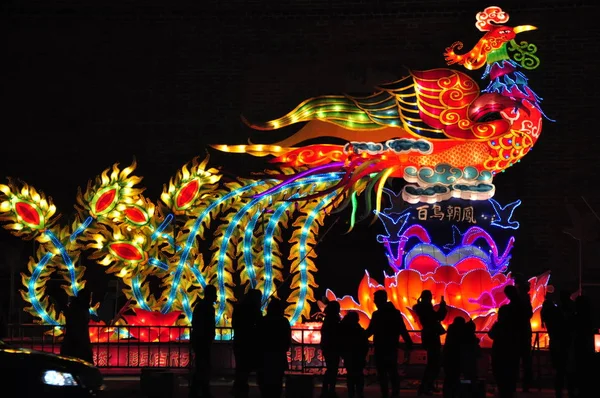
column 332, row 167
column 337, row 107
column 343, row 183
column 369, row 205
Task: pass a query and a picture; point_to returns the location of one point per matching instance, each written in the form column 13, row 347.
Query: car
column 30, row 373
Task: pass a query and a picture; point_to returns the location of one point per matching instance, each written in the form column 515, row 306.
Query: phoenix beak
column 523, row 28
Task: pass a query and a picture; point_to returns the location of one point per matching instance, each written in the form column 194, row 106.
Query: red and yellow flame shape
column 471, row 292
column 25, row 211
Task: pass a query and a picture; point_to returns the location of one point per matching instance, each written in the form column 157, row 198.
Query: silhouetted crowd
column 261, row 344
column 571, row 329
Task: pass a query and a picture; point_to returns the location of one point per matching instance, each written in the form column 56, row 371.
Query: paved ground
column 130, row 387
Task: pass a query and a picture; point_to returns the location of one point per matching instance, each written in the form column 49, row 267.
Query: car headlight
column 56, row 378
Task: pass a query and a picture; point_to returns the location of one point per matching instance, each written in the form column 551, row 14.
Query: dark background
column 84, row 86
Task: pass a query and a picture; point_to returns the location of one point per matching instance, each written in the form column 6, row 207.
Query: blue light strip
column 66, row 259
column 392, row 226
column 198, row 276
column 81, row 228
column 68, row 262
column 157, row 263
column 268, row 249
column 31, row 290
column 236, row 219
column 247, row 245
column 457, row 238
column 192, row 238
column 137, row 293
column 171, row 240
column 162, row 226
column 223, row 252
column 187, row 309
column 302, row 255
column 504, row 214
column 135, row 282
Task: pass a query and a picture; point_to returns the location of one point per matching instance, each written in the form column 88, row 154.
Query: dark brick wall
column 86, row 86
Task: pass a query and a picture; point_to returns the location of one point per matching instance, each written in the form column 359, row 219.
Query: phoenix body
column 436, row 128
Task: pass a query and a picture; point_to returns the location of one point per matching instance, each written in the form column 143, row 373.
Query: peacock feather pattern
column 135, row 239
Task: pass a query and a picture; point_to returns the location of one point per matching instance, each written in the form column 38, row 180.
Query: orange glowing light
column 469, row 293
column 308, row 333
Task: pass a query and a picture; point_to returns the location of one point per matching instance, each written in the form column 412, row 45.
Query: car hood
column 37, row 361
column 44, row 357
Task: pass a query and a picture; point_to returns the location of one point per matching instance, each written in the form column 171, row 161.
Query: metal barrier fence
column 120, row 347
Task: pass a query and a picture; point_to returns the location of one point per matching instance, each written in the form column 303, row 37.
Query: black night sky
column 84, row 87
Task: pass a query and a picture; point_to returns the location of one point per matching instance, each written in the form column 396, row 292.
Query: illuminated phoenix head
column 491, row 21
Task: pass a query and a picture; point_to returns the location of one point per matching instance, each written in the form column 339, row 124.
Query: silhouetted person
column 330, row 345
column 505, row 353
column 355, row 347
column 459, row 358
column 470, row 352
column 386, row 327
column 245, row 318
column 451, row 357
column 583, row 348
column 76, row 342
column 558, row 321
column 202, row 337
column 522, row 285
column 276, row 335
column 432, row 329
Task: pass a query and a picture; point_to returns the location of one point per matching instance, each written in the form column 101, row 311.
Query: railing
column 127, row 346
